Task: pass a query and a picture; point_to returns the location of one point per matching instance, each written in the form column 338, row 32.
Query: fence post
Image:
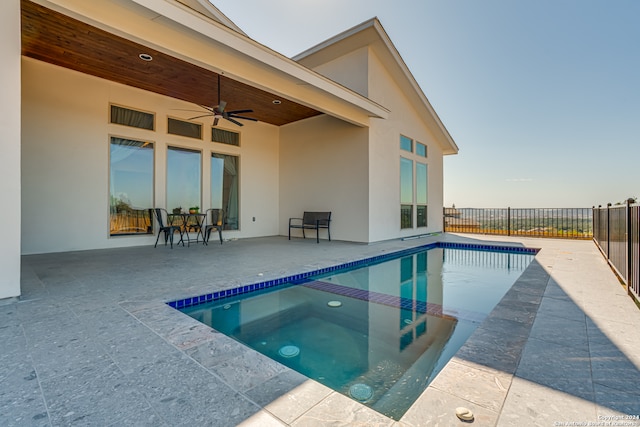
column 608, row 232
column 629, row 246
column 508, row 221
column 593, row 222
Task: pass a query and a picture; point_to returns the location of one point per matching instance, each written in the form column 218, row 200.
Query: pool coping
column 182, row 303
column 477, row 376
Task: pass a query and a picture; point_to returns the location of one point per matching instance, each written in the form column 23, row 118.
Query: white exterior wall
column 324, row 167
column 10, row 148
column 65, row 174
column 384, row 165
column 349, row 70
column 362, row 71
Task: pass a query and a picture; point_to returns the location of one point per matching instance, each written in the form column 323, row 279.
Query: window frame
column 217, row 128
column 175, row 147
column 137, row 110
column 176, row 119
column 212, row 154
column 148, row 217
column 418, row 207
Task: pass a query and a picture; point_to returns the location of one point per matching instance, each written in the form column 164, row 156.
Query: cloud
column 519, row 179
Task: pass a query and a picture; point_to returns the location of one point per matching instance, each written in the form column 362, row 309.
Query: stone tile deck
column 91, row 342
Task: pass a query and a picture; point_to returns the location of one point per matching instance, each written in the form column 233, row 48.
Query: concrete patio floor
column 92, row 342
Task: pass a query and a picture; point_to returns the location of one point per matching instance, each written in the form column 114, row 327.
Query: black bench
column 311, row 221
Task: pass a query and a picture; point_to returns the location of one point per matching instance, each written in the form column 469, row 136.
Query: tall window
column 130, row 186
column 183, row 178
column 224, row 188
column 421, row 194
column 406, row 193
column 411, row 179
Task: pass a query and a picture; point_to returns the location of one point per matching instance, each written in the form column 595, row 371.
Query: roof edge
column 450, row 146
column 207, row 9
column 255, row 50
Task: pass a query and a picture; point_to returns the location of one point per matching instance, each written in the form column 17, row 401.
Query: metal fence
column 617, row 233
column 566, row 223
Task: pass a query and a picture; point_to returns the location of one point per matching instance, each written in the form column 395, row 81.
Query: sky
column 542, row 97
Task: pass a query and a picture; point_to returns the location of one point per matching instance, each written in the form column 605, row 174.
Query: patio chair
column 214, row 222
column 168, row 229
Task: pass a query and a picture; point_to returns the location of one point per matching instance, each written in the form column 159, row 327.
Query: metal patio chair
column 214, row 221
column 168, row 229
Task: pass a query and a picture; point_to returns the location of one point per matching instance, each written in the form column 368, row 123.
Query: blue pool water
column 379, row 332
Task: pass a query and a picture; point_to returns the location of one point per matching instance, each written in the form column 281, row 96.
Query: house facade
column 103, row 118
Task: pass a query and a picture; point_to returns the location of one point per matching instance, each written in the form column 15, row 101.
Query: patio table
column 198, row 222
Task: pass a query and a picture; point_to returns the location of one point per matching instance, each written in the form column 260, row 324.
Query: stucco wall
column 10, row 148
column 65, row 167
column 363, row 71
column 324, row 167
column 384, row 160
column 349, row 70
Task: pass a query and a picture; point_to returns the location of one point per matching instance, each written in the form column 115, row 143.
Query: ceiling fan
column 218, row 112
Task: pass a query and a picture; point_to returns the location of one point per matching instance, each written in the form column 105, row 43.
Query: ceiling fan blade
column 234, row 121
column 215, row 121
column 242, row 117
column 186, row 109
column 220, row 106
column 203, row 115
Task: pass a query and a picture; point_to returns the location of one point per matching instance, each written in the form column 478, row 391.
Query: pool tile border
column 180, row 304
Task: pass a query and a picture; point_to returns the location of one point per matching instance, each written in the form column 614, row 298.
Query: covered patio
column 92, row 342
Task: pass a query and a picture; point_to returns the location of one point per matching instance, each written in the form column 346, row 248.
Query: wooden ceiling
column 60, row 40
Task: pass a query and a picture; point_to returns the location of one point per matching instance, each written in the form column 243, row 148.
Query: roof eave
column 444, row 138
column 276, row 62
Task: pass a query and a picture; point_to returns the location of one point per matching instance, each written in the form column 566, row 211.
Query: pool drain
column 289, row 351
column 334, row 303
column 361, row 392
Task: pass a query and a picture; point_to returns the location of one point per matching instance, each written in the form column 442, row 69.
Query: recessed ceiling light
column 277, row 101
column 145, row 57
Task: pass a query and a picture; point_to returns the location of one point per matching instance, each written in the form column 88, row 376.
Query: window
column 224, row 188
column 133, row 118
column 421, row 194
column 225, row 137
column 407, row 184
column 182, row 128
column 183, row 178
column 406, row 144
column 130, row 186
column 406, row 193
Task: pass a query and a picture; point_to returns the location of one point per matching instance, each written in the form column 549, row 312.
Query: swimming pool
column 378, row 330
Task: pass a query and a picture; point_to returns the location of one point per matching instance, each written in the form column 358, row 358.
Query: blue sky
column 542, row 97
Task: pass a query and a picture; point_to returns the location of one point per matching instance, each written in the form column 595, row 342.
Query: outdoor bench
column 311, row 221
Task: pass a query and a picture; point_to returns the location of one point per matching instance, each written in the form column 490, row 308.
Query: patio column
column 10, row 148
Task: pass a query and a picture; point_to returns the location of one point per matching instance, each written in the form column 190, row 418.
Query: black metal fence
column 617, row 233
column 566, row 223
